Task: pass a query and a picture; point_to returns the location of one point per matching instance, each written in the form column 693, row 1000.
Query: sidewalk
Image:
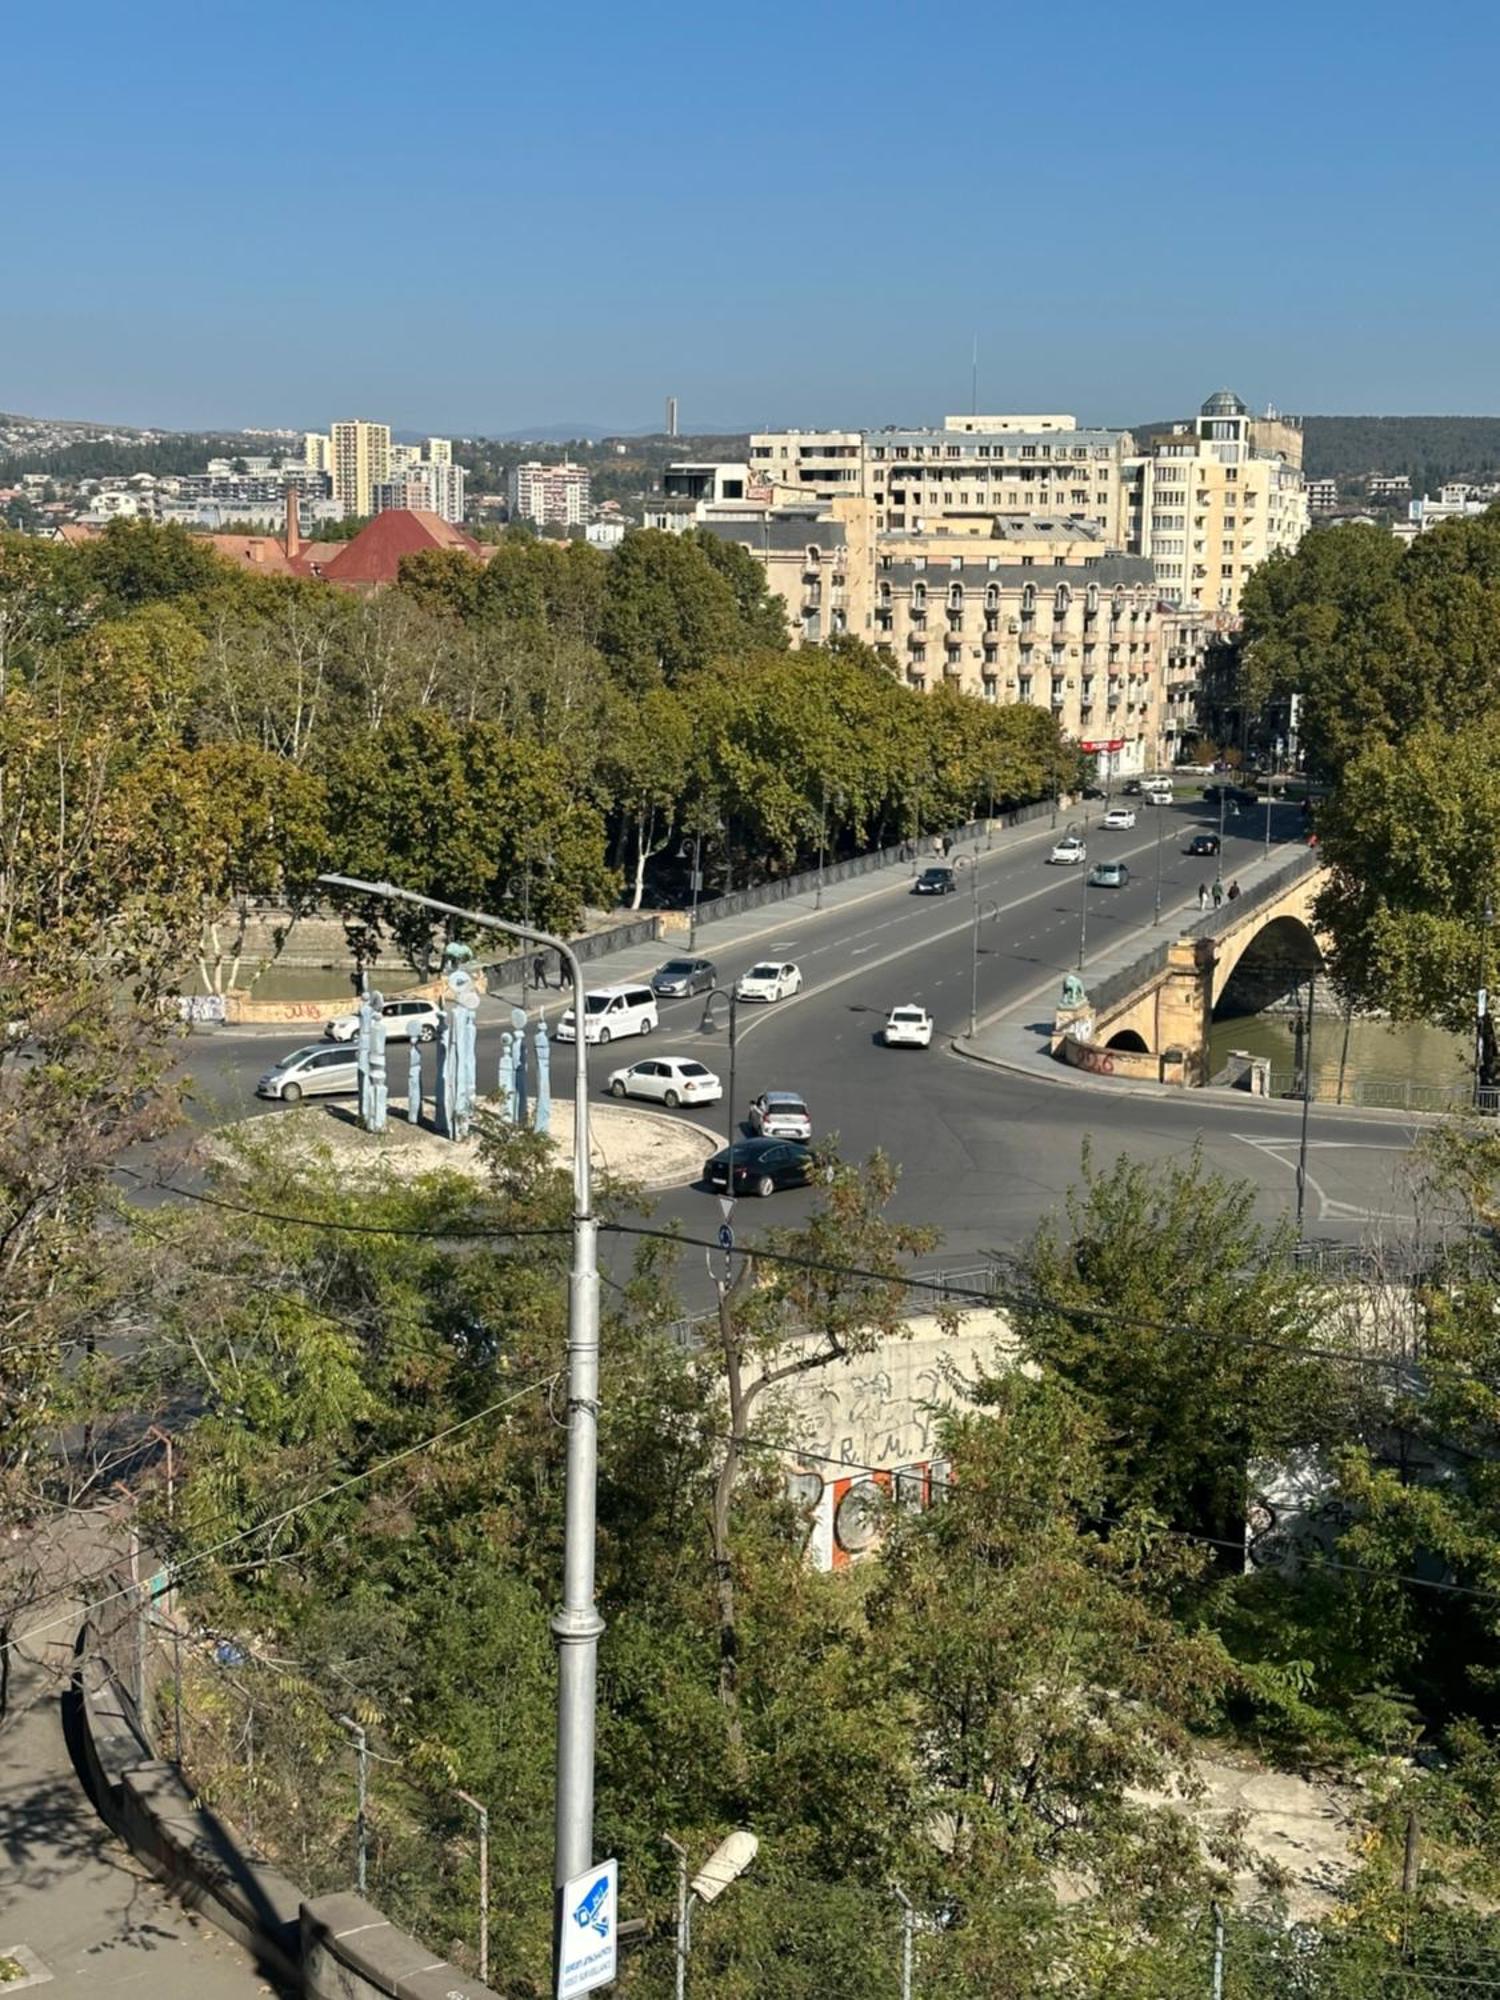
column 1017, row 1038
column 70, row 1892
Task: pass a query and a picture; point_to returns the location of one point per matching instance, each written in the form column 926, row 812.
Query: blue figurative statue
column 518, row 1027
column 505, row 1079
column 414, row 1081
column 543, row 1119
column 369, row 1060
column 465, row 1026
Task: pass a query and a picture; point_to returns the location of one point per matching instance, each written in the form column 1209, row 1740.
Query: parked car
column 683, row 977
column 1108, row 875
column 907, row 1028
column 611, row 1013
column 1203, row 843
column 761, row 1166
column 1069, row 852
column 768, row 981
column 1119, row 819
column 316, row 1071
column 780, row 1114
column 670, row 1080
column 405, row 1021
column 935, row 882
column 1131, row 789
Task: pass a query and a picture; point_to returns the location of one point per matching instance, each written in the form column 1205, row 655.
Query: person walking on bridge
column 1202, row 897
column 1218, row 894
column 1234, row 890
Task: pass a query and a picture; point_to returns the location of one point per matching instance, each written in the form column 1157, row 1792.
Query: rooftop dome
column 1224, row 403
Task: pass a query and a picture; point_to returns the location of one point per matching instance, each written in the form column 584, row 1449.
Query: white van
column 611, row 1013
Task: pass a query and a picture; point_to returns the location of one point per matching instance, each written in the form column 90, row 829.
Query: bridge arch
column 1129, row 1039
column 1258, row 967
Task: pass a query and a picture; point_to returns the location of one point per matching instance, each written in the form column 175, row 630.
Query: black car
column 1131, row 789
column 935, row 882
column 684, row 976
column 1203, row 843
column 761, row 1166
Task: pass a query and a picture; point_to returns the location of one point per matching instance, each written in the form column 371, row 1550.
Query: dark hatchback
column 683, row 976
column 761, row 1166
column 935, row 882
column 1203, row 843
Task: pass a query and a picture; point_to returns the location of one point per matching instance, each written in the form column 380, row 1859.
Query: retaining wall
column 330, row 1948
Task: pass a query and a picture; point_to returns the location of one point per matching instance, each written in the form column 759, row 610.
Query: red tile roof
column 375, row 553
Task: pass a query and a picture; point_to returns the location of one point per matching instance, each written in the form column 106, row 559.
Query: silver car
column 405, row 1021
column 322, row 1070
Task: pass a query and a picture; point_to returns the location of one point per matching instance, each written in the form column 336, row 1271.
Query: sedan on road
column 405, row 1021
column 907, row 1028
column 1069, row 852
column 671, row 1080
column 1108, row 875
column 1119, row 819
column 316, row 1071
column 681, row 978
column 1203, row 843
column 761, row 1166
column 935, row 882
column 768, row 982
column 780, row 1114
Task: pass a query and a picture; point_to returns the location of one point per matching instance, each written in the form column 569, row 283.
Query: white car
column 768, row 981
column 671, row 1080
column 405, row 1021
column 1069, row 851
column 1119, row 819
column 780, row 1114
column 908, row 1028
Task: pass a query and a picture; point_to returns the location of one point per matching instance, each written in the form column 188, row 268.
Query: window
column 1227, row 569
column 992, row 597
column 919, row 597
column 1028, row 451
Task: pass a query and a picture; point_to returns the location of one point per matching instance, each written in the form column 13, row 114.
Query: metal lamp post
column 706, row 1026
column 481, row 1813
column 361, row 1822
column 726, row 1864
column 1083, row 896
column 577, row 1624
column 838, row 806
column 978, row 913
column 1219, row 858
column 1482, row 1030
column 1160, row 830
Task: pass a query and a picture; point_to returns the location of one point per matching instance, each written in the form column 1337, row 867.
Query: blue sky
column 474, row 219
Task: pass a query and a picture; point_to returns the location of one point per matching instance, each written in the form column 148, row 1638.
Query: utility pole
column 979, row 912
column 697, row 885
column 681, row 1953
column 1482, row 1028
column 1307, row 1048
column 481, row 1813
column 362, row 1770
column 1218, row 1985
column 908, row 1925
column 577, row 1625
column 1160, row 829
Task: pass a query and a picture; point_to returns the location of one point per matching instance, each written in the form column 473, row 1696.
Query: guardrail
column 1386, row 1093
column 593, row 944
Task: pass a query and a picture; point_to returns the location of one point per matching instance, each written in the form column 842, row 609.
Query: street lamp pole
column 1160, row 829
column 697, row 885
column 1482, row 1029
column 577, row 1625
column 1307, row 1050
column 1083, row 899
column 706, row 1026
column 1223, row 801
column 481, row 1813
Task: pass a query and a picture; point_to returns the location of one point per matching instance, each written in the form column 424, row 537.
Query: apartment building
column 427, row 485
column 967, row 472
column 1322, row 495
column 361, row 461
column 549, row 493
column 1211, row 499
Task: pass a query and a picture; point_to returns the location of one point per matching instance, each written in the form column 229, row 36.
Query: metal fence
column 804, row 884
column 1386, row 1093
column 1267, row 890
column 594, row 944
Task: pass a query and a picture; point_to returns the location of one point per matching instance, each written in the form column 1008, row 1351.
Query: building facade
column 549, row 494
column 1322, row 495
column 428, row 486
column 361, row 462
column 1210, row 500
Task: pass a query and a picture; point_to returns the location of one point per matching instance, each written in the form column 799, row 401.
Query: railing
column 804, row 884
column 1269, row 889
column 594, row 944
column 1386, row 1093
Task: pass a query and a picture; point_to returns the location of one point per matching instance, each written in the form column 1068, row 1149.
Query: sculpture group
column 519, row 1100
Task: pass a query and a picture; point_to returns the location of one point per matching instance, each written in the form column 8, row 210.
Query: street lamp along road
column 577, row 1625
column 979, row 913
column 726, row 1864
column 707, row 1026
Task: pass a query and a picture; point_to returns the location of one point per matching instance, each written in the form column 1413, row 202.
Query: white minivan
column 611, row 1013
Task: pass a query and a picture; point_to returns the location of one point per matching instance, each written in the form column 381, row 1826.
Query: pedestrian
column 1202, row 897
column 945, row 843
column 1234, row 890
column 1218, row 894
column 539, row 971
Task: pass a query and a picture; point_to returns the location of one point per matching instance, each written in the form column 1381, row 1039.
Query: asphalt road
column 985, row 1154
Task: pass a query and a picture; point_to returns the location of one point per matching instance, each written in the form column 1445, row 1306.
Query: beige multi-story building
column 361, row 462
column 967, row 472
column 1211, row 499
column 317, row 451
column 549, row 493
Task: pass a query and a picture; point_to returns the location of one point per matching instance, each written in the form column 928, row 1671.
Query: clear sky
column 473, row 219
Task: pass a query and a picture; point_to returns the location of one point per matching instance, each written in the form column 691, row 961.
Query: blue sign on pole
column 587, row 1954
column 726, row 1236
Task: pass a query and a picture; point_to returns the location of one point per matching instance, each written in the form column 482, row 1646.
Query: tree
column 1177, row 1322
column 667, row 610
column 1410, row 837
column 136, row 562
column 762, row 617
column 644, row 770
column 461, row 812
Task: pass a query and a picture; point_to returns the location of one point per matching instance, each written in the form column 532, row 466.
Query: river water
column 1358, row 1062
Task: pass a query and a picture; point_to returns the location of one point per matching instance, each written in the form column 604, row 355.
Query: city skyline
column 1128, row 213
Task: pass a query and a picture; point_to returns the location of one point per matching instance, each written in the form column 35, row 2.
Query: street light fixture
column 1160, row 829
column 707, row 1025
column 838, row 807
column 725, row 1865
column 577, row 1625
column 979, row 912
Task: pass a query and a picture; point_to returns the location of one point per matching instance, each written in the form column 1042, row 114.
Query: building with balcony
column 549, row 494
column 425, row 486
column 1211, row 499
column 361, row 461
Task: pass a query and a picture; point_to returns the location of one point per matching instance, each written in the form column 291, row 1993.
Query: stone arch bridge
column 1152, row 1019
